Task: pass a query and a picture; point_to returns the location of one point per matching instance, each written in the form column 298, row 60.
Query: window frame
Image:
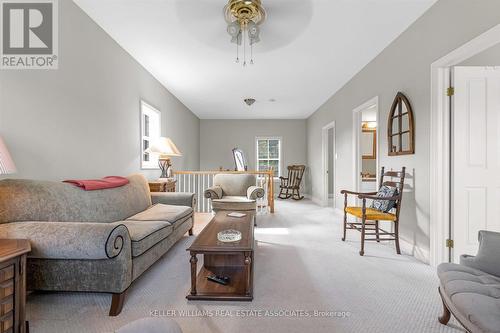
column 280, row 154
column 148, row 109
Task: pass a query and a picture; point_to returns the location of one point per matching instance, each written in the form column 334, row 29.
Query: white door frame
column 356, row 133
column 326, row 149
column 440, row 167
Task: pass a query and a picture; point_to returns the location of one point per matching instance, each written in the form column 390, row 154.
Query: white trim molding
column 324, row 152
column 413, row 250
column 356, row 130
column 440, row 168
column 154, row 133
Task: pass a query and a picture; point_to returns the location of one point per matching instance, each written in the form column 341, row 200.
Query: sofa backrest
column 234, row 184
column 34, row 200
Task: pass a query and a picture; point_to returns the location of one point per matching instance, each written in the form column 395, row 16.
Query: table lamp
column 166, row 149
column 6, row 163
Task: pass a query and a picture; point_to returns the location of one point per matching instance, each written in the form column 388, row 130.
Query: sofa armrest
column 214, row 192
column 174, row 198
column 255, row 192
column 488, row 255
column 70, row 240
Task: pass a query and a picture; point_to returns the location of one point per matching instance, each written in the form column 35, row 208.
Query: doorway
column 443, row 169
column 365, row 150
column 329, row 157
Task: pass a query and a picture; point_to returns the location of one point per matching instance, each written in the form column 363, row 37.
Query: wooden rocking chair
column 290, row 186
column 370, row 217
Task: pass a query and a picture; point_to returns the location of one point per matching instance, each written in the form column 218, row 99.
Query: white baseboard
column 411, row 249
column 406, row 247
column 317, row 201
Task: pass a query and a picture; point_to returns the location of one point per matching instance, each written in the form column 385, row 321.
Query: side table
column 162, row 185
column 13, row 254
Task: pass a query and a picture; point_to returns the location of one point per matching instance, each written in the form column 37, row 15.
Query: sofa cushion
column 371, row 214
column 234, row 203
column 474, row 294
column 36, row 200
column 145, row 234
column 161, row 212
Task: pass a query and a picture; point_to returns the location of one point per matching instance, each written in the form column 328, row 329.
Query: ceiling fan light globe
column 234, row 29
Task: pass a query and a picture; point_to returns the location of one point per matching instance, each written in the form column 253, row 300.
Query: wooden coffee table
column 234, row 260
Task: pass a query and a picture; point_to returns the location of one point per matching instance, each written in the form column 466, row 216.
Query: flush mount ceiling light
column 249, row 101
column 243, row 18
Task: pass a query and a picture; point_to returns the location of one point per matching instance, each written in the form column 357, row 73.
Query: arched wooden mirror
column 401, row 128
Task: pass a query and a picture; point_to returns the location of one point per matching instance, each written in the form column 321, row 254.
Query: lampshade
column 165, row 147
column 6, row 163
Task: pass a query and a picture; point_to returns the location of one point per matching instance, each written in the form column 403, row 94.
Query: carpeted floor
column 300, row 265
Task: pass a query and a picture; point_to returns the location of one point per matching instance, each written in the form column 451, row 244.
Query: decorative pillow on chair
column 385, row 205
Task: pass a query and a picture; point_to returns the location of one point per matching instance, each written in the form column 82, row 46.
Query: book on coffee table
column 236, row 214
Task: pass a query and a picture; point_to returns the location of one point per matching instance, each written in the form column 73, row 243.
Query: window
column 269, row 154
column 150, row 131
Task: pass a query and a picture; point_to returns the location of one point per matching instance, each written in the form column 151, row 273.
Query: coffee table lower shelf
column 211, row 291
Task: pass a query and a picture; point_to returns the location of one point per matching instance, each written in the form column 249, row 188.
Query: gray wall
column 403, row 66
column 219, row 137
column 82, row 120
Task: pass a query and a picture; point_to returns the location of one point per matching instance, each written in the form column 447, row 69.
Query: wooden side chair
column 386, row 207
column 290, row 186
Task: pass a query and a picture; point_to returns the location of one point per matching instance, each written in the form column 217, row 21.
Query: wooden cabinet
column 13, row 253
column 162, row 185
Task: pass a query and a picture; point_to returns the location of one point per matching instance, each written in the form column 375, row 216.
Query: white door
column 476, row 156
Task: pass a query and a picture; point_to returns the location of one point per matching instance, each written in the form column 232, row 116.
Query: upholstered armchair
column 234, row 192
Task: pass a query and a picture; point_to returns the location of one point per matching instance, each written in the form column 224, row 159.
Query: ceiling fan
column 244, row 20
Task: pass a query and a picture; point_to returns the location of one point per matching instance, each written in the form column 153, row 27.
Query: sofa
column 471, row 290
column 234, row 192
column 94, row 241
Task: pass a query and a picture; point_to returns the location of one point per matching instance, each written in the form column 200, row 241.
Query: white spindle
column 198, row 182
column 202, row 196
column 198, row 185
column 210, row 184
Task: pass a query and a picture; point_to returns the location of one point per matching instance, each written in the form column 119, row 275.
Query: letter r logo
column 27, row 28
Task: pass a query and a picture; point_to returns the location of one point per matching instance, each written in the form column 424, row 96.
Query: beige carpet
column 301, row 266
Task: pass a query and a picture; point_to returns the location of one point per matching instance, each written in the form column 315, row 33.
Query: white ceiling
column 309, row 49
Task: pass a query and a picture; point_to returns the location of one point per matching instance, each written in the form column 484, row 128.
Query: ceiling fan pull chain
column 244, row 49
column 237, row 52
column 243, row 18
column 251, row 54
